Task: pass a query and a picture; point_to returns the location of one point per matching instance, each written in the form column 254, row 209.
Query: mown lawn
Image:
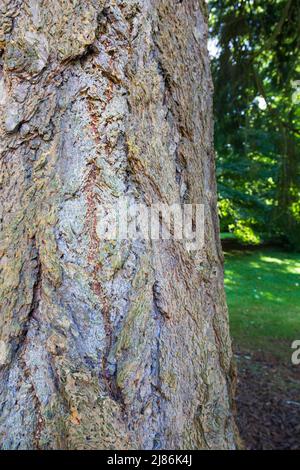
column 263, row 295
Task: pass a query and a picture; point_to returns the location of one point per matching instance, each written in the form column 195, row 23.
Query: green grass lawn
column 263, row 295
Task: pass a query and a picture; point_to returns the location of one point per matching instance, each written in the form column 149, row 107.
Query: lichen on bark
column 108, row 345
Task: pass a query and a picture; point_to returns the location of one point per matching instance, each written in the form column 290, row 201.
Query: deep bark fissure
column 36, row 295
column 158, row 438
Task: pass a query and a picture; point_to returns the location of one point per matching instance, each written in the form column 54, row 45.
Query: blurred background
column 254, row 47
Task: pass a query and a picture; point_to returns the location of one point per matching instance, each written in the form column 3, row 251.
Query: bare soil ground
column 268, row 403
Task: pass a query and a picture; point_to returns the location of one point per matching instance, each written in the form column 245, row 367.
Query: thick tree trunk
column 108, row 345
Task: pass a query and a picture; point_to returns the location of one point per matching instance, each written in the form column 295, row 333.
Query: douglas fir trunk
column 108, row 344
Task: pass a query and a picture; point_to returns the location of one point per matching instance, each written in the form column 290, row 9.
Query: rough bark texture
column 108, row 345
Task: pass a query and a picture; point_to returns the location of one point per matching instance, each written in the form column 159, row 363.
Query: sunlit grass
column 263, row 295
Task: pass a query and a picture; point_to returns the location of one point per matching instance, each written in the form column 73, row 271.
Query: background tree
column 108, row 345
column 255, row 68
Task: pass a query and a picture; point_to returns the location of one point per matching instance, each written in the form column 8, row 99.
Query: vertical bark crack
column 36, row 296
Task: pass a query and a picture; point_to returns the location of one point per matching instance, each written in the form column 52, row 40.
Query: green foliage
column 263, row 295
column 257, row 130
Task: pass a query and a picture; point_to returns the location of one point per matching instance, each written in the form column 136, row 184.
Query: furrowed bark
column 108, row 345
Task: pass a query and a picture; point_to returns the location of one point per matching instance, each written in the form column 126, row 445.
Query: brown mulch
column 268, row 403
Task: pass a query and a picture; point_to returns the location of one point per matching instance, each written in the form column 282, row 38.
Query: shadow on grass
column 263, row 295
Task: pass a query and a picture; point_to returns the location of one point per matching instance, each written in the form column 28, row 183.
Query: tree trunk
column 108, row 344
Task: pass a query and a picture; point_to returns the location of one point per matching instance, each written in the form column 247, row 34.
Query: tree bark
column 108, row 345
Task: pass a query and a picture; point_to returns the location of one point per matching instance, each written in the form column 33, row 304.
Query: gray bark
column 108, row 345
